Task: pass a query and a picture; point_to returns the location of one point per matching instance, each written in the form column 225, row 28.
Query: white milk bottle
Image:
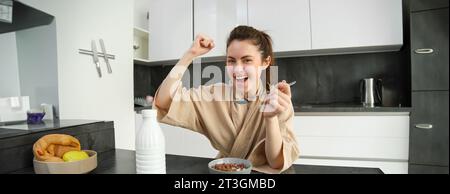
column 150, row 146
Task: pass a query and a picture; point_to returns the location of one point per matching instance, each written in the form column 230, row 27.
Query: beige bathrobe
column 235, row 130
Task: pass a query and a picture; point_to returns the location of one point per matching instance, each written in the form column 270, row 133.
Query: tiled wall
column 320, row 79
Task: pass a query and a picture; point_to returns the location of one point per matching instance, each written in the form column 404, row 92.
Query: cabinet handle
column 424, row 51
column 424, row 126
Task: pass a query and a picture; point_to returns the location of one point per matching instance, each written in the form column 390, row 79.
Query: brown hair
column 260, row 39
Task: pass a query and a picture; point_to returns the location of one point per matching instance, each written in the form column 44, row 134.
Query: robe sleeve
column 184, row 110
column 290, row 148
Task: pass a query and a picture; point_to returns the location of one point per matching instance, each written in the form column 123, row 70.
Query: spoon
column 244, row 101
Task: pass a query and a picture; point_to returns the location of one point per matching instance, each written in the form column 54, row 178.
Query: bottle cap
column 149, row 113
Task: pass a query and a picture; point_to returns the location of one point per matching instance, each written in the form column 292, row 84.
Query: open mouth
column 241, row 78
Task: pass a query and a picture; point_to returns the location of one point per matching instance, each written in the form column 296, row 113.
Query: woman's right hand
column 202, row 45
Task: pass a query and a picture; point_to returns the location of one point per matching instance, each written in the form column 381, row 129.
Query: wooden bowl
column 78, row 167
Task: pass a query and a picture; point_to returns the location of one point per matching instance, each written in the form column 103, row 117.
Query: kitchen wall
column 320, row 79
column 9, row 69
column 331, row 80
column 82, row 94
column 38, row 67
column 28, row 65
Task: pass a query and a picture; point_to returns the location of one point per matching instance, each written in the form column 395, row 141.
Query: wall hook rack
column 95, row 55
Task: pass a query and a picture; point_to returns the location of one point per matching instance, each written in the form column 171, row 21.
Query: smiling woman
column 263, row 136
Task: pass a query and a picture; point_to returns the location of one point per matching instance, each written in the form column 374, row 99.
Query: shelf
column 140, row 37
column 140, row 32
column 141, row 61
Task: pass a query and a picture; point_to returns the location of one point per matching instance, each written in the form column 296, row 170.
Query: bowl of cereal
column 230, row 166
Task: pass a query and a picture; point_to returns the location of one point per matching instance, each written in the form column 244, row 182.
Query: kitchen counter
column 349, row 109
column 22, row 128
column 16, row 141
column 123, row 162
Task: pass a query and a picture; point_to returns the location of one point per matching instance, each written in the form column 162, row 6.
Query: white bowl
column 247, row 170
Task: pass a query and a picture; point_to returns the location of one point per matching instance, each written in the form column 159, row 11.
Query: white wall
column 9, row 69
column 38, row 68
column 82, row 94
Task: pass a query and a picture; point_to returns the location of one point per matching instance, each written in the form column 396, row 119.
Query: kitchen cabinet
column 82, row 94
column 421, row 5
column 356, row 25
column 170, row 29
column 429, row 83
column 140, row 31
column 287, row 22
column 16, row 141
column 429, row 128
column 424, row 169
column 141, row 14
column 379, row 141
column 298, row 27
column 429, row 50
column 216, row 18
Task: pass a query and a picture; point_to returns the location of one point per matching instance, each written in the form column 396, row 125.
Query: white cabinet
column 365, row 141
column 356, row 25
column 297, row 27
column 141, row 11
column 140, row 34
column 216, row 18
column 170, row 29
column 286, row 21
column 82, row 94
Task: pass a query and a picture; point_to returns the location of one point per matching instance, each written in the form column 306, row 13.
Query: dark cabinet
column 429, row 50
column 429, row 123
column 424, row 169
column 421, row 5
column 429, row 128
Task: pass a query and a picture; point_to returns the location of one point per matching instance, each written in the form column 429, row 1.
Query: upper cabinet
column 170, row 29
column 286, row 21
column 216, row 18
column 357, row 25
column 297, row 27
column 15, row 16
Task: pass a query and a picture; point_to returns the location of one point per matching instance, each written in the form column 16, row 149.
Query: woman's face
column 244, row 66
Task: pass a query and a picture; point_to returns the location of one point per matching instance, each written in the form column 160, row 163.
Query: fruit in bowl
column 72, row 156
column 62, row 154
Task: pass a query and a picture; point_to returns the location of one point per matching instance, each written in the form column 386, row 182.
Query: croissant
column 51, row 148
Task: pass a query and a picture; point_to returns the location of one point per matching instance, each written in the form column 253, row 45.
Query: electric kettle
column 371, row 92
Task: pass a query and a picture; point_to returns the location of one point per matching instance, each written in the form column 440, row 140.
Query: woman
column 260, row 129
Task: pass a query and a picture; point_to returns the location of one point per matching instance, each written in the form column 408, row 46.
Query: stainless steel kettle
column 371, row 92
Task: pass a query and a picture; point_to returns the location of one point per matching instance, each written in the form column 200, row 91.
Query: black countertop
column 22, row 128
column 308, row 108
column 123, row 162
column 347, row 107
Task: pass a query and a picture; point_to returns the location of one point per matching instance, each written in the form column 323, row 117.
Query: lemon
column 73, row 156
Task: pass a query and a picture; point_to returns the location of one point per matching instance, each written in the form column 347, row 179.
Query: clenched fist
column 201, row 45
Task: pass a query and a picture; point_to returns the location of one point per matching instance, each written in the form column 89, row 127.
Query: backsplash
column 320, row 79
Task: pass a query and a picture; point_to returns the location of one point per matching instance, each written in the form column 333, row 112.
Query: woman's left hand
column 278, row 100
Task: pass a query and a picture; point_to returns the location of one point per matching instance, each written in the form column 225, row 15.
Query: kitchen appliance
column 371, row 91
